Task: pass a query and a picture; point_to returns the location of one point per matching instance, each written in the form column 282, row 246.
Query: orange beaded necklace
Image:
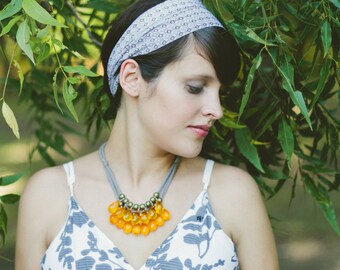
column 138, row 218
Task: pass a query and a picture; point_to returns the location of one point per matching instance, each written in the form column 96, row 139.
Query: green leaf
column 38, row 13
column 322, row 197
column 20, row 74
column 9, row 198
column 10, row 24
column 286, row 139
column 55, row 89
column 335, row 3
column 286, row 71
column 69, row 95
column 251, row 34
column 324, row 72
column 10, row 119
column 3, row 224
column 81, row 70
column 229, row 123
column 8, row 180
column 256, row 64
column 326, row 37
column 247, row 149
column 9, row 10
column 23, row 36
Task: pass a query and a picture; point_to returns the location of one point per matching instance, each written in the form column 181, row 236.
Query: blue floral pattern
column 197, row 243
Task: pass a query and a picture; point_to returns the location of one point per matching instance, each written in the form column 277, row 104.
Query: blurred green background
column 305, row 240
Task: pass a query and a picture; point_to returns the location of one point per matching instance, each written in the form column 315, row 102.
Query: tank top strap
column 69, row 169
column 207, row 173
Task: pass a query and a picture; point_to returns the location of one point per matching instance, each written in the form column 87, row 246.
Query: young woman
column 146, row 200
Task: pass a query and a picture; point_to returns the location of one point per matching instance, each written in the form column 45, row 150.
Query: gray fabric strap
column 155, row 28
column 113, row 182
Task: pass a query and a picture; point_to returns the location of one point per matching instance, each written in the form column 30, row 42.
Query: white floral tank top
column 197, row 243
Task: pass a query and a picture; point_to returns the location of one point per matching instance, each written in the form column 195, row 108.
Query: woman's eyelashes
column 194, row 89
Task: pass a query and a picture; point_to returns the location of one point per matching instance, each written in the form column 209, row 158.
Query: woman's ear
column 130, row 77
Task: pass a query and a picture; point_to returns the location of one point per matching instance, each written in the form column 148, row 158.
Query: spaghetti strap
column 69, row 169
column 207, row 173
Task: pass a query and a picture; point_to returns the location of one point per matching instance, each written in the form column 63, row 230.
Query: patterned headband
column 155, row 28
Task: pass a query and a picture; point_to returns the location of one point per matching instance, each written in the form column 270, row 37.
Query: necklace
column 138, row 218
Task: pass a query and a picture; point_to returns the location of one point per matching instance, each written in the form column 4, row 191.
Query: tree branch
column 75, row 13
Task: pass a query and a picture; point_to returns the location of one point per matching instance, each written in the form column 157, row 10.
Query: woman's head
column 212, row 42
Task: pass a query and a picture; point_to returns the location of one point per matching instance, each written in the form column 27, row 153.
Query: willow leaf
column 286, row 139
column 20, row 74
column 9, row 198
column 80, row 70
column 247, row 149
column 69, row 95
column 38, row 13
column 10, row 119
column 326, row 37
column 324, row 72
column 9, row 25
column 10, row 179
column 328, row 209
column 23, row 36
column 9, row 10
column 256, row 64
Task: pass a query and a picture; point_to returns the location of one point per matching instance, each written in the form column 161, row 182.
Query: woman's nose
column 212, row 108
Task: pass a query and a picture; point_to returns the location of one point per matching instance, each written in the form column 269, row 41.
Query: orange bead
column 120, row 212
column 127, row 215
column 159, row 221
column 144, row 218
column 158, row 208
column 113, row 207
column 135, row 219
column 165, row 215
column 127, row 228
column 152, row 226
column 136, row 229
column 145, row 230
column 113, row 219
column 120, row 224
column 152, row 214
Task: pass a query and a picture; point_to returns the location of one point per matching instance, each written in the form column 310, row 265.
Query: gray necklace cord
column 113, row 182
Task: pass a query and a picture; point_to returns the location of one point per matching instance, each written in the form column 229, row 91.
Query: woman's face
column 177, row 110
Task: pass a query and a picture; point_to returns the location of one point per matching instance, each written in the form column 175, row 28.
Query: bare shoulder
column 239, row 208
column 42, row 211
column 233, row 193
column 46, row 184
column 233, row 181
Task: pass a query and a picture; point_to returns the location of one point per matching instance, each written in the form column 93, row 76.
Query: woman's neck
column 133, row 158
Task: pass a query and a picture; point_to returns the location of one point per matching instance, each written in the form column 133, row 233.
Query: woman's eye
column 194, row 89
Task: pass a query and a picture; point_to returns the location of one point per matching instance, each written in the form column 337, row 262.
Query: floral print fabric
column 197, row 243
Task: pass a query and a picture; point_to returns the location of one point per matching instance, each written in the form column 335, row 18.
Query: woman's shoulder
column 233, row 193
column 233, row 180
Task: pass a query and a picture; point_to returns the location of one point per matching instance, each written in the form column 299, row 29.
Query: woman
column 146, row 200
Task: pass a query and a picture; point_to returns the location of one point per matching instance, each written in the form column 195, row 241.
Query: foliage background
column 281, row 115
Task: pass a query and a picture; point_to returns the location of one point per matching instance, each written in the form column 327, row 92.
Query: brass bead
column 152, row 199
column 156, row 195
column 148, row 204
column 121, row 196
column 135, row 207
column 130, row 204
column 142, row 206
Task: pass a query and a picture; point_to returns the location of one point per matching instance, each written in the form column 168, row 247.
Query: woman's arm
column 40, row 214
column 239, row 207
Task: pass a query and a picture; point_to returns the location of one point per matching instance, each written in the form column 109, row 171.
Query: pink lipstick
column 200, row 130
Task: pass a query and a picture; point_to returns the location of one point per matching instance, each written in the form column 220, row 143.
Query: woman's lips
column 200, row 130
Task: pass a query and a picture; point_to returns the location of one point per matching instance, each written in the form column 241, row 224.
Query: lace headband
column 155, row 28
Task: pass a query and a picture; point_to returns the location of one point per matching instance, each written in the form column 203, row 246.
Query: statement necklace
column 133, row 217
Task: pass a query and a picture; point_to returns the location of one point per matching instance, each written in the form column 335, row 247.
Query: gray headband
column 155, row 28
